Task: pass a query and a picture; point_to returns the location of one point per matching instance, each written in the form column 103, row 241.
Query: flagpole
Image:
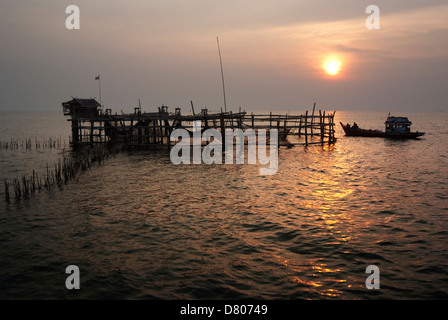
column 99, row 85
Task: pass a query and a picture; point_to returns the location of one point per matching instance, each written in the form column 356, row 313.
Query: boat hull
column 357, row 132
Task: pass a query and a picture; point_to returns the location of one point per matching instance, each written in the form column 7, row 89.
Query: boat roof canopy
column 397, row 120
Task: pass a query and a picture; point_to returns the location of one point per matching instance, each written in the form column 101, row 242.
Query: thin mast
column 222, row 76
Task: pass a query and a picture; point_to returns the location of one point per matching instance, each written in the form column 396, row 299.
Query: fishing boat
column 396, row 128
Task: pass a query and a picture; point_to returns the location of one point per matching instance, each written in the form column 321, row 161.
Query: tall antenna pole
column 222, row 76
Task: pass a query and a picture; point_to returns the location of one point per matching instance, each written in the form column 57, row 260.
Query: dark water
column 139, row 227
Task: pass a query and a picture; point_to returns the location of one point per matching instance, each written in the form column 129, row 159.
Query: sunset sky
column 273, row 53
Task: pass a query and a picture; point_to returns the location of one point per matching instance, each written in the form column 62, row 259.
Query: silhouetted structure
column 91, row 125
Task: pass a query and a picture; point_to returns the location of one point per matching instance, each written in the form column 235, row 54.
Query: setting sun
column 332, row 66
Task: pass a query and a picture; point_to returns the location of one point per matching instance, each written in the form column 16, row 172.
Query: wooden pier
column 95, row 128
column 91, row 125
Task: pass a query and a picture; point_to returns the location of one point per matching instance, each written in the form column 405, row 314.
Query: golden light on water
column 318, row 278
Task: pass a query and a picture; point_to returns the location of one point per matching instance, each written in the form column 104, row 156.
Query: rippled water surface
column 140, row 227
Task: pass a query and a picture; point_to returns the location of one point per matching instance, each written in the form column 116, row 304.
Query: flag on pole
column 99, row 86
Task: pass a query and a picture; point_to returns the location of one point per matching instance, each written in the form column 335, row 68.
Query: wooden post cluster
column 144, row 129
column 296, row 129
column 28, row 143
column 70, row 167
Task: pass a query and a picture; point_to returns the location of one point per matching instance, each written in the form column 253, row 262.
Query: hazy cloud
column 165, row 52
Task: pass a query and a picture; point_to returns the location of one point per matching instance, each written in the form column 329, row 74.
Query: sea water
column 140, row 227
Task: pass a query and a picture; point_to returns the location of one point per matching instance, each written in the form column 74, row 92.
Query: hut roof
column 85, row 102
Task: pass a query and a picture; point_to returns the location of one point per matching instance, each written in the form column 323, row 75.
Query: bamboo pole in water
column 7, row 191
column 306, row 128
column 312, row 118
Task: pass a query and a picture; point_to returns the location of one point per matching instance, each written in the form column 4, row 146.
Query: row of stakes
column 51, row 143
column 68, row 169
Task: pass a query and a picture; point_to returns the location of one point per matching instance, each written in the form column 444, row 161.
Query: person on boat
column 355, row 125
column 348, row 125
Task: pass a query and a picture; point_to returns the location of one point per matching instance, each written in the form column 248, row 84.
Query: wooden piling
column 312, row 118
column 223, row 133
column 306, row 128
column 6, row 191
